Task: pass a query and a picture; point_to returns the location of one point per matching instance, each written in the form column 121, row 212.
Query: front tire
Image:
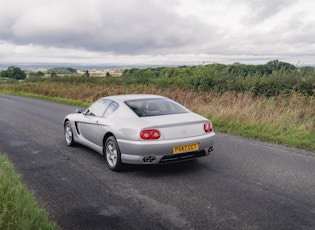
column 68, row 134
column 112, row 154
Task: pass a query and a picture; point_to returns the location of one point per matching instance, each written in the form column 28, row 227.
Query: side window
column 98, row 108
column 111, row 108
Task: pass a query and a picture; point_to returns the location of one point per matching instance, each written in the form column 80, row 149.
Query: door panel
column 89, row 129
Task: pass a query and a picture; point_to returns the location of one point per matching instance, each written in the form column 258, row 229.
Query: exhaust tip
column 149, row 159
column 210, row 149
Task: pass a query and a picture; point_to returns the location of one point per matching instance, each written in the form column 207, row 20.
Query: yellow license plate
column 185, row 148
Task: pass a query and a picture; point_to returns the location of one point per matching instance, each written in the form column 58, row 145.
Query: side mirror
column 80, row 110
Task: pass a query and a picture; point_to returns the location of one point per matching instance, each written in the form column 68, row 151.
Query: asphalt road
column 244, row 184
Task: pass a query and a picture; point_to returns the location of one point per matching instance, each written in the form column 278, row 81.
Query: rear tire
column 68, row 133
column 112, row 154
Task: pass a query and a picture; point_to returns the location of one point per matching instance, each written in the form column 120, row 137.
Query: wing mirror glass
column 80, row 110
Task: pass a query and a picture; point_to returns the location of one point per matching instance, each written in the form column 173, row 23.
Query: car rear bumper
column 157, row 152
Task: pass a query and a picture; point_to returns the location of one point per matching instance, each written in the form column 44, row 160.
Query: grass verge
column 18, row 209
column 48, row 98
column 289, row 135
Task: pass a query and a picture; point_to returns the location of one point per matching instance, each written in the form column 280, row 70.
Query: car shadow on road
column 185, row 167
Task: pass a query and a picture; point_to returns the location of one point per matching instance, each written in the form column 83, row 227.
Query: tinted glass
column 98, row 108
column 155, row 107
column 110, row 109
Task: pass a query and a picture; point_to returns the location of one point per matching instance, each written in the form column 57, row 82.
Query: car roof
column 126, row 97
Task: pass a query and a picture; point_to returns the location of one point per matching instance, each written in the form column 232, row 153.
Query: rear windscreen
column 155, row 107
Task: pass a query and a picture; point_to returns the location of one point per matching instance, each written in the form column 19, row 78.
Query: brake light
column 150, row 134
column 208, row 127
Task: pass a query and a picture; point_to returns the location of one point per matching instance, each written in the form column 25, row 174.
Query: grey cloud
column 123, row 27
column 260, row 10
column 90, row 29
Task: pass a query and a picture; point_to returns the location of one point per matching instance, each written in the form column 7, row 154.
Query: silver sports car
column 140, row 129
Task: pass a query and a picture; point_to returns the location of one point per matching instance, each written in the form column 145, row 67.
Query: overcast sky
column 157, row 31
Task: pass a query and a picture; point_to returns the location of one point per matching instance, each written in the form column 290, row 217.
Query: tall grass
column 284, row 119
column 18, row 209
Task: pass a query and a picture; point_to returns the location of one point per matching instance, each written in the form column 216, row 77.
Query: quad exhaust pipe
column 210, row 149
column 152, row 159
column 149, row 159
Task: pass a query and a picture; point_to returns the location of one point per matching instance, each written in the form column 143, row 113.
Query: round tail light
column 207, row 127
column 150, row 134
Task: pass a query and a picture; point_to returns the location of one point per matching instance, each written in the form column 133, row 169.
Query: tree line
column 270, row 79
column 17, row 73
column 13, row 72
